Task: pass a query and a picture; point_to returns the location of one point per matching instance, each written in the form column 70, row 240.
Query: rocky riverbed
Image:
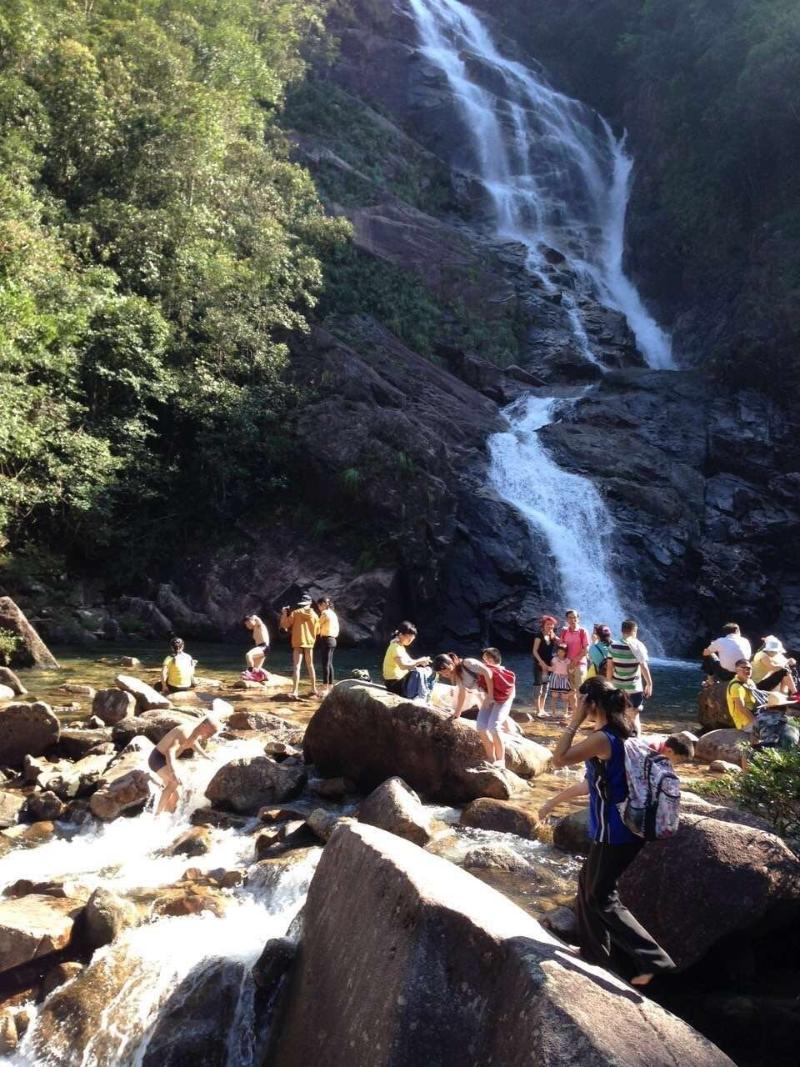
column 138, row 939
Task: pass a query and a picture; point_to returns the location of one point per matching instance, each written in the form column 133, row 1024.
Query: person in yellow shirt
column 398, row 665
column 743, row 696
column 326, row 640
column 177, row 671
column 303, row 625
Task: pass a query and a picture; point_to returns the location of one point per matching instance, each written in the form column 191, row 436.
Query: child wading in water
column 258, row 653
column 560, row 687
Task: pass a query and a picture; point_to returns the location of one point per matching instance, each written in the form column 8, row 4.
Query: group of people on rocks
column 563, row 660
column 313, row 625
column 761, row 691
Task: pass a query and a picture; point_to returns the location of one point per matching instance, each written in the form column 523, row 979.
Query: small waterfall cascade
column 164, row 962
column 556, row 178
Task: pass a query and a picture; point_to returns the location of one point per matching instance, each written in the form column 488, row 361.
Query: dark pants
column 609, row 934
column 713, row 667
column 772, row 681
column 327, row 646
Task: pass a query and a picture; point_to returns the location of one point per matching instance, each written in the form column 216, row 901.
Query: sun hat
column 772, row 644
column 778, row 700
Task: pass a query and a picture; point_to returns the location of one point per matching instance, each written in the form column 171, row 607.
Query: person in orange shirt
column 303, row 624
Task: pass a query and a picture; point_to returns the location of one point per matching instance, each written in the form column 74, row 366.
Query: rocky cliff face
column 425, row 332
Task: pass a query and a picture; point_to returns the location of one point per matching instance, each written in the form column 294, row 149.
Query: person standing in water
column 326, row 639
column 181, row 739
column 258, row 653
column 302, row 623
column 609, row 934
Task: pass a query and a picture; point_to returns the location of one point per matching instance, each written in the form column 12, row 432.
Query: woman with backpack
column 609, row 934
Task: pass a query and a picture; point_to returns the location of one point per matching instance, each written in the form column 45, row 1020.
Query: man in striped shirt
column 629, row 669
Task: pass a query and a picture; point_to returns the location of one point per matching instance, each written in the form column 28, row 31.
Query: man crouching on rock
column 184, row 738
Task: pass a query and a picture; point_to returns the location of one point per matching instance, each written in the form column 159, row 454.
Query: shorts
column 539, row 677
column 157, row 761
column 260, row 648
column 494, row 712
column 576, row 676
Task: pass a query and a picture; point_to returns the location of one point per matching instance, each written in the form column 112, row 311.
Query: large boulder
column 77, row 741
column 398, row 809
column 500, row 816
column 527, row 758
column 26, row 730
column 10, row 679
column 31, row 651
column 470, row 979
column 34, row 926
column 712, row 706
column 244, row 785
column 147, row 698
column 722, row 744
column 105, row 917
column 712, row 880
column 368, row 735
column 112, row 705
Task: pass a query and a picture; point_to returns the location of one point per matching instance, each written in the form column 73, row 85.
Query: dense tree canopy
column 157, row 246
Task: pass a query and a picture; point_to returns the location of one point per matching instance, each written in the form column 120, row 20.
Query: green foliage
column 8, row 646
column 157, row 247
column 770, row 787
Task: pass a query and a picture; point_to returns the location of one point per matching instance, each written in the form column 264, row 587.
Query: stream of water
column 556, row 177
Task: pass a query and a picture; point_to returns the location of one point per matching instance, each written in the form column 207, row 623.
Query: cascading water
column 165, row 960
column 556, row 177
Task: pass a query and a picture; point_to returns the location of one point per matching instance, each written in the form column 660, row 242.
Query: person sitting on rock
column 183, row 738
column 772, row 728
column 719, row 659
column 402, row 675
column 303, row 625
column 258, row 653
column 609, row 934
column 744, row 697
column 772, row 670
column 177, row 671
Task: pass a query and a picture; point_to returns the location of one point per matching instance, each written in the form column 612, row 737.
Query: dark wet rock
column 77, row 742
column 113, row 705
column 58, row 975
column 26, row 730
column 367, row 735
column 44, row 805
column 571, row 832
column 105, row 917
column 331, row 788
column 500, row 816
column 712, row 880
column 398, row 809
column 273, row 963
column 278, row 813
column 245, row 785
column 194, row 842
column 451, row 934
column 563, row 923
column 223, row 820
column 30, row 651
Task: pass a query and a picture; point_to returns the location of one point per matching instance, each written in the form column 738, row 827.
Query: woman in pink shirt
column 576, row 639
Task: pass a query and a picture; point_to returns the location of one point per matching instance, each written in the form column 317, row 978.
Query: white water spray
column 557, row 177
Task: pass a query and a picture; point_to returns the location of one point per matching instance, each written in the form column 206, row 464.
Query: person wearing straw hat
column 772, row 670
column 303, row 625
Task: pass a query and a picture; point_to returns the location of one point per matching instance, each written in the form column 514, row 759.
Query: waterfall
column 556, row 177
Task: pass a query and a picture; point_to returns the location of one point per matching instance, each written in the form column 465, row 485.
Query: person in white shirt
column 722, row 655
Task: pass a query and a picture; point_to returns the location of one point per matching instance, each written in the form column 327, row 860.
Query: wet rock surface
column 245, row 785
column 396, row 808
column 501, row 964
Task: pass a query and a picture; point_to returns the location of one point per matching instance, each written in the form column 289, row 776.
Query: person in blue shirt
column 609, row 934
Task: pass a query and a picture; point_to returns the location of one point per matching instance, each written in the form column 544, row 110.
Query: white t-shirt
column 638, row 648
column 730, row 648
